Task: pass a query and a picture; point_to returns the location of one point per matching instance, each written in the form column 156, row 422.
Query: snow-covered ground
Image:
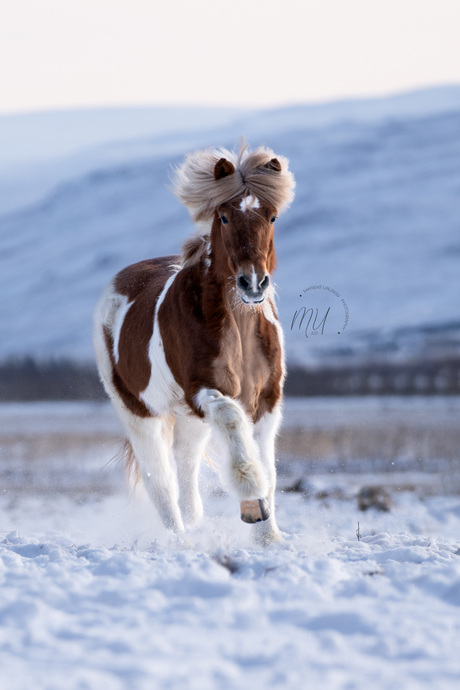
column 373, row 231
column 94, row 594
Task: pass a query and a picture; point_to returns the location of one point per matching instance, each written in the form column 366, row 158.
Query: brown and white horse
column 191, row 343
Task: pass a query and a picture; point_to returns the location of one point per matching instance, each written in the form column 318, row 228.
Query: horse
column 191, row 344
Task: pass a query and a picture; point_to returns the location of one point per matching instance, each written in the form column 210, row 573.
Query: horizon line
column 249, row 107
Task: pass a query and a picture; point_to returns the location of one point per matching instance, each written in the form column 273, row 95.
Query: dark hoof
column 255, row 511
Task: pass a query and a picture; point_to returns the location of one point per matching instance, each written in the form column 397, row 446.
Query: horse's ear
column 223, row 168
column 274, row 164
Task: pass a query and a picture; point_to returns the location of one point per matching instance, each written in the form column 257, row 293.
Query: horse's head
column 246, row 228
column 241, row 194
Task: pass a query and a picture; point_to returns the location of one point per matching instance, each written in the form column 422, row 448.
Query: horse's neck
column 221, row 302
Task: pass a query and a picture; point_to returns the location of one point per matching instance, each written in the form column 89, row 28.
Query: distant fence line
column 29, row 380
column 429, row 377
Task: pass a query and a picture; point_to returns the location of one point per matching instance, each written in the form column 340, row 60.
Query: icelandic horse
column 191, row 343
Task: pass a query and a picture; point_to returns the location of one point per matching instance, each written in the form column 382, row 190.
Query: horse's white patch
column 104, row 315
column 271, row 315
column 123, row 308
column 269, row 310
column 163, row 391
column 110, row 312
column 249, row 202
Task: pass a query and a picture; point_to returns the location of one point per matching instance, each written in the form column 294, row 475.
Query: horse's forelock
column 196, row 186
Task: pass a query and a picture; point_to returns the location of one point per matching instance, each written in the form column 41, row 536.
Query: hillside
column 375, row 221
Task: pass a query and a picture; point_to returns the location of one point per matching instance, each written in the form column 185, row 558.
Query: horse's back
column 145, row 279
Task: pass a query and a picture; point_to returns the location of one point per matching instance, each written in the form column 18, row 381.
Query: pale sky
column 58, row 54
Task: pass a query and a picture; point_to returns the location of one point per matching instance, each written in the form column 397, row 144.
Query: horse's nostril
column 265, row 282
column 243, row 283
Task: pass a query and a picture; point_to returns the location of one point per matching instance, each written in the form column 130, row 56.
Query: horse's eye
column 272, row 219
column 224, row 220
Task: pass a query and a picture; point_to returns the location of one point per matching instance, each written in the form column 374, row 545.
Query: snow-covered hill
column 373, row 232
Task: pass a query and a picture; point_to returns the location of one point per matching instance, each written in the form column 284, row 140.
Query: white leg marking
column 265, row 431
column 149, row 440
column 190, row 437
column 228, row 417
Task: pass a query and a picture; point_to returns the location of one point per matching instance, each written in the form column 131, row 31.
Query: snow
column 322, row 607
column 375, row 219
column 94, row 593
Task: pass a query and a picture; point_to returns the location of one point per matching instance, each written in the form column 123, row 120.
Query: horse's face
column 247, row 232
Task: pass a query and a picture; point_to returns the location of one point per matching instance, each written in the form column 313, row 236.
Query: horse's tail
column 126, row 456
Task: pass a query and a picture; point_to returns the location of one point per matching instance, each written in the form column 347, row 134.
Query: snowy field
column 94, row 594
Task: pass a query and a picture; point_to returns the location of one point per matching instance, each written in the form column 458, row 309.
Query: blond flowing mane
column 195, row 185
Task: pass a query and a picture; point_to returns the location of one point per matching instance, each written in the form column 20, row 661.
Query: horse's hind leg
column 190, row 436
column 151, row 442
column 148, row 436
column 247, row 474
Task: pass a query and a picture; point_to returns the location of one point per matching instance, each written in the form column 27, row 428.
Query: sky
column 64, row 54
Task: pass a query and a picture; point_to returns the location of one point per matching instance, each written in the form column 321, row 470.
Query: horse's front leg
column 190, row 437
column 265, row 431
column 247, row 474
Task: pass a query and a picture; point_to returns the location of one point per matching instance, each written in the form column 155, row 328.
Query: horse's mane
column 194, row 248
column 197, row 189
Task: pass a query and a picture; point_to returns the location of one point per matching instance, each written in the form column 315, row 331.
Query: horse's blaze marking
column 254, row 279
column 173, row 326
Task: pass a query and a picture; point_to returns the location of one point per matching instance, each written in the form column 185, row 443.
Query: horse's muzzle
column 251, row 289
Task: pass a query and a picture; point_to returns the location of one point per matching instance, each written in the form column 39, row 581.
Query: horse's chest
column 243, row 367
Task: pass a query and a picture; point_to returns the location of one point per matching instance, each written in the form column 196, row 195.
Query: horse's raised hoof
column 255, row 511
